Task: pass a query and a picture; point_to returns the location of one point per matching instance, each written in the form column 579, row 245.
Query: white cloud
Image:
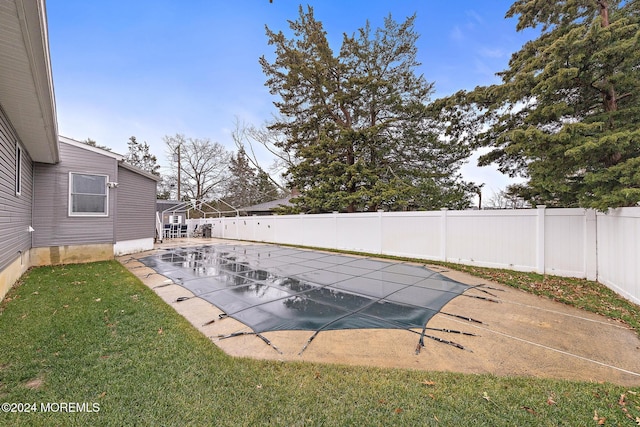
column 491, row 52
column 456, row 34
column 475, row 16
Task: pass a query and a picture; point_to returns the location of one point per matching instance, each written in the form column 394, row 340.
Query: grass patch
column 581, row 293
column 94, row 333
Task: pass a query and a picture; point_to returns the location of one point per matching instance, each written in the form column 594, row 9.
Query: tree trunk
column 604, row 12
column 609, row 96
column 610, row 99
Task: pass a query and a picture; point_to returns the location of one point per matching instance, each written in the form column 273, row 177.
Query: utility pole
column 176, row 158
column 179, row 172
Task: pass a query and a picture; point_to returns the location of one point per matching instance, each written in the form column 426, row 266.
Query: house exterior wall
column 135, row 207
column 51, row 221
column 15, row 210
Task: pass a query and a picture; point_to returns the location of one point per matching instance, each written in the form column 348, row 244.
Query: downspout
column 114, row 205
column 33, row 200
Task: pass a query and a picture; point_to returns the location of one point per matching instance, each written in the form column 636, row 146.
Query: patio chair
column 166, row 231
column 184, row 228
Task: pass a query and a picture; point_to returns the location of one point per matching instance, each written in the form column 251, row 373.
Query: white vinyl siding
column 88, row 195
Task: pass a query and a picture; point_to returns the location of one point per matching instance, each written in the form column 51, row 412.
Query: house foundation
column 74, row 254
column 10, row 275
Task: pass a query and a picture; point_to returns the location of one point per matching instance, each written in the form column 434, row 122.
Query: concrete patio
column 521, row 335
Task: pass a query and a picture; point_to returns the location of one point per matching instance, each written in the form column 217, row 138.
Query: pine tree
column 356, row 122
column 246, row 186
column 140, row 157
column 93, row 143
column 566, row 114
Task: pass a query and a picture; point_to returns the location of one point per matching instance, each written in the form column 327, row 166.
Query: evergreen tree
column 93, row 143
column 355, row 123
column 140, row 157
column 246, row 186
column 566, row 114
column 240, row 191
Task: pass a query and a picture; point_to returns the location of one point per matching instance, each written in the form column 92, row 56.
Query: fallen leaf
column 398, row 410
column 382, row 401
column 427, row 382
column 160, row 331
column 486, row 397
column 103, row 394
column 550, row 401
column 259, row 386
column 98, row 299
column 638, row 420
column 599, row 420
column 529, row 410
column 621, row 401
column 317, row 375
column 431, row 396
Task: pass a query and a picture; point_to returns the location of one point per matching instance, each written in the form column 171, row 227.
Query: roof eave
column 139, row 171
column 26, row 85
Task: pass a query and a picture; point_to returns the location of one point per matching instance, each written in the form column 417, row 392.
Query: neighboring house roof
column 26, row 84
column 118, row 157
column 162, row 204
column 268, row 206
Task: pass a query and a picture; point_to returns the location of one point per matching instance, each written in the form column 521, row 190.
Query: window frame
column 18, row 169
column 104, row 214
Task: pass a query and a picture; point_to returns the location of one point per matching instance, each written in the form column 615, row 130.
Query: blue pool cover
column 271, row 288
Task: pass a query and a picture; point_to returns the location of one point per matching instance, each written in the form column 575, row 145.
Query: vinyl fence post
column 335, row 229
column 443, row 234
column 590, row 245
column 380, row 231
column 540, row 253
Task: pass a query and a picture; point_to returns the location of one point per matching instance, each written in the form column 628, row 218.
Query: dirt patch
column 35, row 383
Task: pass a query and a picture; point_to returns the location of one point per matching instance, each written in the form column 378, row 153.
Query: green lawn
column 95, row 334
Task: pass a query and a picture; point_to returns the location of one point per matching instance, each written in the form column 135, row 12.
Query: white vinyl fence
column 565, row 242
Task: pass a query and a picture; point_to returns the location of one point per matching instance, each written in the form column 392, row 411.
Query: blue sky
column 155, row 68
